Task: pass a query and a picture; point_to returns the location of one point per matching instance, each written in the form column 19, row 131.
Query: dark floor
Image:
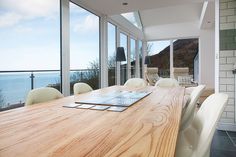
column 223, row 144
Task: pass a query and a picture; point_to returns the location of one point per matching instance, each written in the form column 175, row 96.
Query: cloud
column 88, row 24
column 21, row 29
column 14, row 11
column 9, row 19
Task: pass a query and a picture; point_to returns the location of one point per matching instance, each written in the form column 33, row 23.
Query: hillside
column 184, row 52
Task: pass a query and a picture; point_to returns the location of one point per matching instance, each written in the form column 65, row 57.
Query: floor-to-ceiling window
column 140, row 46
column 111, row 54
column 184, row 53
column 132, row 57
column 123, row 68
column 159, row 53
column 29, row 48
column 84, row 47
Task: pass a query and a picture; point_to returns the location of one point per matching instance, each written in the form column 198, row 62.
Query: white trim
column 117, row 63
column 103, row 52
column 137, row 67
column 203, row 12
column 65, row 47
column 217, row 44
column 171, row 59
column 128, row 67
column 161, row 39
column 80, row 4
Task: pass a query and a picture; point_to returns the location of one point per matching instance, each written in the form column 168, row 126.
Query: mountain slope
column 184, row 52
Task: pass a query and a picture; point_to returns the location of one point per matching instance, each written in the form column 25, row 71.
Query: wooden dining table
column 148, row 128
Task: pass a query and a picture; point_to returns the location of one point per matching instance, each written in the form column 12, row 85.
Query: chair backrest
column 152, row 75
column 180, row 71
column 40, row 95
column 81, row 87
column 191, row 106
column 201, row 131
column 135, row 83
column 167, row 82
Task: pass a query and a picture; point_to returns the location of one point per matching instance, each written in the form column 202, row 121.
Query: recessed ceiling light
column 124, row 3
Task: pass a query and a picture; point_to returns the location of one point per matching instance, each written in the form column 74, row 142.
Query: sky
column 158, row 46
column 84, row 37
column 30, row 36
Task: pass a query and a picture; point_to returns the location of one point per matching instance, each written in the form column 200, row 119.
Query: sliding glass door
column 159, row 54
column 111, row 63
column 84, row 47
column 124, row 69
column 133, row 57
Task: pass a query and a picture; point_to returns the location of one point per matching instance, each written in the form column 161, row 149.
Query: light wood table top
column 146, row 129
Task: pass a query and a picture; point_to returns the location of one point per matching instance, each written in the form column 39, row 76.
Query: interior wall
column 207, row 58
column 227, row 59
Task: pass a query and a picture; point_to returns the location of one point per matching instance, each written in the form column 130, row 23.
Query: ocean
column 14, row 87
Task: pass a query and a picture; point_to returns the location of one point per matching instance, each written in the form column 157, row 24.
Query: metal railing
column 76, row 74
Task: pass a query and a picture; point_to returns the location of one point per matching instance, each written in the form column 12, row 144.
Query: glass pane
column 185, row 56
column 132, row 57
column 140, row 57
column 13, row 89
column 84, row 47
column 123, row 70
column 159, row 53
column 30, row 40
column 111, row 54
column 133, row 17
column 42, row 79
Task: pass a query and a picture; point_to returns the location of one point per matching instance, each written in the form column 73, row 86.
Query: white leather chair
column 135, row 83
column 167, row 82
column 189, row 112
column 195, row 141
column 40, row 95
column 152, row 76
column 80, row 88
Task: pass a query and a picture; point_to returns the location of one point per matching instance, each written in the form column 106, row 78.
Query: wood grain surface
column 148, row 128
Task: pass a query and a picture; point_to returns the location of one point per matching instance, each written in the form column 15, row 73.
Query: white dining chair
column 190, row 109
column 80, row 88
column 167, row 82
column 195, row 141
column 135, row 83
column 40, row 95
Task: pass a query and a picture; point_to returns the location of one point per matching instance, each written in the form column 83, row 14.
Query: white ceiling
column 158, row 16
column 113, row 7
column 173, row 14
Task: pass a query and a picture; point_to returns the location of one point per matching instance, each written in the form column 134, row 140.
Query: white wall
column 207, row 57
column 227, row 59
column 172, row 31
